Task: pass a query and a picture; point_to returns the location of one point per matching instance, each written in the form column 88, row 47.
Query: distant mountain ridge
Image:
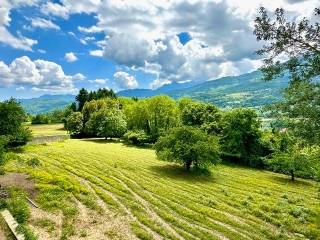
column 46, row 103
column 246, row 90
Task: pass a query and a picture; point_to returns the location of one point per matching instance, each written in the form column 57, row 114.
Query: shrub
column 74, row 123
column 136, row 137
column 189, row 146
column 34, row 162
column 40, row 119
column 3, row 143
column 12, row 116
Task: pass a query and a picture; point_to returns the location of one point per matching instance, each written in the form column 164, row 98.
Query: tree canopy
column 189, row 146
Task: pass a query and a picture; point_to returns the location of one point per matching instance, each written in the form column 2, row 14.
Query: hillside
column 107, row 190
column 46, row 103
column 247, row 90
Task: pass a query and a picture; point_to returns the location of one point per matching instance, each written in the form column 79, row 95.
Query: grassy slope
column 47, row 129
column 164, row 201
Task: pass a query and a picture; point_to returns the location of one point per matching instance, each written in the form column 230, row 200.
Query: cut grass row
column 165, row 202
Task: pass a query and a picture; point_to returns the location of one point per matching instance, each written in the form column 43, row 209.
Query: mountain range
column 246, row 90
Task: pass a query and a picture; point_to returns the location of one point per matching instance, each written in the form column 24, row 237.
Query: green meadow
column 98, row 189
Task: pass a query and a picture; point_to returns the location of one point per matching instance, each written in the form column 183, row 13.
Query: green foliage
column 3, row 143
column 85, row 96
column 154, row 116
column 96, row 105
column 34, row 162
column 300, row 110
column 198, row 114
column 27, row 232
column 40, row 119
column 12, row 116
column 74, row 123
column 242, row 137
column 189, row 146
column 299, row 41
column 107, row 123
column 136, row 137
column 297, row 161
column 18, row 206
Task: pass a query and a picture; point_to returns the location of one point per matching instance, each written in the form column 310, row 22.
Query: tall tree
column 12, row 116
column 299, row 42
column 242, row 137
column 81, row 98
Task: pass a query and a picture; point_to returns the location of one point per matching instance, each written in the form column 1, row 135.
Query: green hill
column 247, row 90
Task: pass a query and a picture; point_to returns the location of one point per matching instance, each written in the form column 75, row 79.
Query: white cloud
column 55, row 9
column 44, row 23
column 39, row 74
column 42, row 51
column 7, row 38
column 96, row 53
column 125, row 80
column 143, row 34
column 70, row 57
column 92, row 29
column 100, row 81
column 79, row 77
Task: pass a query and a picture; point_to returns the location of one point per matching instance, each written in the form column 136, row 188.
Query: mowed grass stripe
column 177, row 200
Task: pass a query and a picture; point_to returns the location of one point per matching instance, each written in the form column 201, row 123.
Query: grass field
column 93, row 189
column 47, row 129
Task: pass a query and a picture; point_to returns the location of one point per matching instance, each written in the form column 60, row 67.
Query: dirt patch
column 42, row 233
column 18, row 180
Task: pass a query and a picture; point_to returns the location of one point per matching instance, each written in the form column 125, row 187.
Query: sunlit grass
column 162, row 200
column 47, row 129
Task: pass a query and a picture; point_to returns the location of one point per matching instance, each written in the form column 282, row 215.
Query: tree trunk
column 188, row 165
column 292, row 175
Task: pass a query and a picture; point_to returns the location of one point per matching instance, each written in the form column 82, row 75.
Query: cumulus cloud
column 39, row 74
column 144, row 34
column 70, row 57
column 125, row 81
column 18, row 42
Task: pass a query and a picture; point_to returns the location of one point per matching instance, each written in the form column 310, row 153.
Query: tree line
column 190, row 132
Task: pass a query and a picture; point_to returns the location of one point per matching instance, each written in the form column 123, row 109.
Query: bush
column 74, row 123
column 20, row 138
column 3, row 143
column 12, row 117
column 189, row 146
column 136, row 137
column 34, row 162
column 40, row 119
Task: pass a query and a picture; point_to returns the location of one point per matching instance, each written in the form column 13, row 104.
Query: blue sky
column 58, row 47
